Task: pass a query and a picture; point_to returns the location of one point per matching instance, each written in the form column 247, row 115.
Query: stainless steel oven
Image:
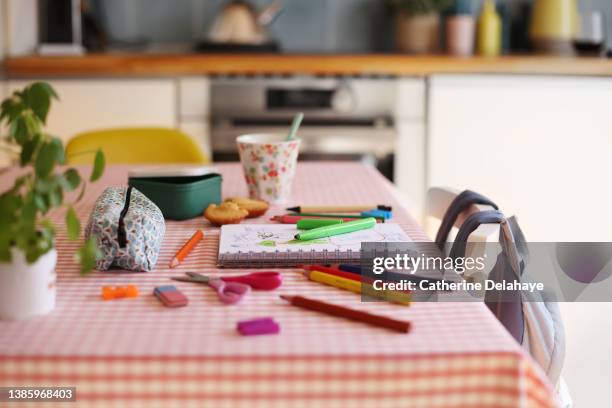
column 345, row 118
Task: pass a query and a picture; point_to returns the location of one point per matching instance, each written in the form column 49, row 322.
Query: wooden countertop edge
column 273, row 64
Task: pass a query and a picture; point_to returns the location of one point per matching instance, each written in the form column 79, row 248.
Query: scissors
column 228, row 292
column 258, row 280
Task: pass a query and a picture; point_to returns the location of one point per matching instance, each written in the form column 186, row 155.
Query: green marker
column 311, row 223
column 326, row 215
column 337, row 229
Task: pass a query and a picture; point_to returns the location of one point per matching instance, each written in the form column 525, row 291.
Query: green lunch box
column 180, row 194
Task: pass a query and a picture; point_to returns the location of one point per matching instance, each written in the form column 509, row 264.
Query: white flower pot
column 27, row 290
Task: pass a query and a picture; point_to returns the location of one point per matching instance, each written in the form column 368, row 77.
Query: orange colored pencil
column 186, row 249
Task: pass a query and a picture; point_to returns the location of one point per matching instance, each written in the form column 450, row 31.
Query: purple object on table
column 265, row 325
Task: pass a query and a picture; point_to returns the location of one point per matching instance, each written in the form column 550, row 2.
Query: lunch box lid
column 171, row 171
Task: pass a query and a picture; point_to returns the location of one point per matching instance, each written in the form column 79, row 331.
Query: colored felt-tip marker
column 312, row 223
column 337, row 208
column 338, row 229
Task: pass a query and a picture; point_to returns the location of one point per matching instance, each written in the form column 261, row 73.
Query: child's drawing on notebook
column 262, row 236
column 255, row 235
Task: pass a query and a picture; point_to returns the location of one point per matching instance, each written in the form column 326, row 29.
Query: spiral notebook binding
column 245, row 259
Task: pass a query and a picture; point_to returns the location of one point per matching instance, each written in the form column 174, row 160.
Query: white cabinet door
column 194, row 110
column 409, row 167
column 542, row 148
column 539, row 146
column 106, row 103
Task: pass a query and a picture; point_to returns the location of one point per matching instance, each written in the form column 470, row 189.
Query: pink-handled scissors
column 228, row 292
column 258, row 280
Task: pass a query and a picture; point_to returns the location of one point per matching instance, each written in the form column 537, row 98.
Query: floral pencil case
column 128, row 228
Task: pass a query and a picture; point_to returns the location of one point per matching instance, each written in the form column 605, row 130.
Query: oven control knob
column 343, row 100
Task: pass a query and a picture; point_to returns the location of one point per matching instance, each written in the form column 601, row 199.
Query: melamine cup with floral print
column 269, row 162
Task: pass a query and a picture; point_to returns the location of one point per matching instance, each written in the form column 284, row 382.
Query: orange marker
column 186, row 249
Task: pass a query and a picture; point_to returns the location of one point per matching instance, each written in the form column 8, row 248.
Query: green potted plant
column 417, row 24
column 27, row 236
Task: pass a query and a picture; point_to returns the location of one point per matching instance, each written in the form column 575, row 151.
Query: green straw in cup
column 297, row 120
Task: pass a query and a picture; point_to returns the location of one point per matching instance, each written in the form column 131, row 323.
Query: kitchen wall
column 305, row 25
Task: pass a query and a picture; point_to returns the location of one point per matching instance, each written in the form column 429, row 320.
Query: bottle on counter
column 460, row 30
column 489, row 31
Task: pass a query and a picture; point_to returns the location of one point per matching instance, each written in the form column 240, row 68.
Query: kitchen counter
column 121, row 65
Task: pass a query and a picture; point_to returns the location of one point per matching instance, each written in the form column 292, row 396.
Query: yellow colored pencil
column 357, row 287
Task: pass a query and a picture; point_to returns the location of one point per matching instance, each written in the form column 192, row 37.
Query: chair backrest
column 135, row 145
column 456, row 207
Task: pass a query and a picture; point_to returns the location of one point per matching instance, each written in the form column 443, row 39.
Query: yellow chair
column 135, row 145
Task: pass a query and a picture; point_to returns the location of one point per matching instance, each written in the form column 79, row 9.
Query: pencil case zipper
column 121, row 233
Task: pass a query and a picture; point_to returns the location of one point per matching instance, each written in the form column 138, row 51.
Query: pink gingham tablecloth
column 137, row 353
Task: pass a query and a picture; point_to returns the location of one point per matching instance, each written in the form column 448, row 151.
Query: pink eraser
column 173, row 298
column 265, row 325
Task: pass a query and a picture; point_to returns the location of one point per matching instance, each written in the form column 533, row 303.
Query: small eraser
column 173, row 298
column 108, row 292
column 265, row 325
column 170, row 296
column 119, row 292
column 131, row 291
column 164, row 288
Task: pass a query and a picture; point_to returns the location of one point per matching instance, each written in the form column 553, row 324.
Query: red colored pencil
column 347, row 313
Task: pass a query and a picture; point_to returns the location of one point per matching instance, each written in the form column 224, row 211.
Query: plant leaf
column 73, row 224
column 45, row 160
column 58, row 150
column 98, row 167
column 56, row 197
column 5, row 245
column 27, row 151
column 32, row 123
column 19, row 130
column 11, row 109
column 39, row 100
column 48, row 89
column 40, row 203
column 48, row 226
column 87, row 255
column 28, row 215
column 45, row 185
column 72, row 179
column 34, row 251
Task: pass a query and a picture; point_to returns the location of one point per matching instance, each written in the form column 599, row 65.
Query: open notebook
column 244, row 245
